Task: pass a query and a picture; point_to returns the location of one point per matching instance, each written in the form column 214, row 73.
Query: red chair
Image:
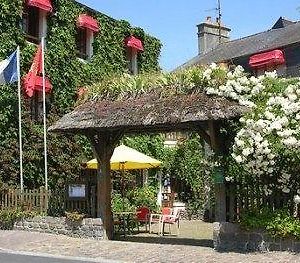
column 157, row 218
column 142, row 215
column 171, row 219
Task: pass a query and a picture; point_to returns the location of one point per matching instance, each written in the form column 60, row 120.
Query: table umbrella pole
column 123, row 199
column 122, row 190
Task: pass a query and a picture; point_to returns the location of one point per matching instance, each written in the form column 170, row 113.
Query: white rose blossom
column 275, row 120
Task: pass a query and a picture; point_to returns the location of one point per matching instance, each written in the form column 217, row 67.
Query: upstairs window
column 35, row 19
column 133, row 45
column 31, row 24
column 86, row 28
column 131, row 55
column 81, row 43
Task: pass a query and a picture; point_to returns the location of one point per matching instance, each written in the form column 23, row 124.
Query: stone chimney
column 210, row 35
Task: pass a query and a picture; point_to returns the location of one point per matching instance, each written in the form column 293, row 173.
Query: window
column 133, row 46
column 84, row 42
column 81, row 42
column 36, row 103
column 34, row 23
column 31, row 23
column 86, row 27
column 173, row 138
column 280, row 70
column 132, row 61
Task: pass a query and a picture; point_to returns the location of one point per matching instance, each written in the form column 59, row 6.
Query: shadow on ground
column 168, row 240
column 192, row 233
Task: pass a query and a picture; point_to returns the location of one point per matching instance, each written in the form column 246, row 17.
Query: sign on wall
column 77, row 191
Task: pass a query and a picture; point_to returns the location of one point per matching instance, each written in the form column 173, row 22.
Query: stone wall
column 86, row 228
column 230, row 237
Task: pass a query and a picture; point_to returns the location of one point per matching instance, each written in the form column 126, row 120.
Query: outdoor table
column 125, row 218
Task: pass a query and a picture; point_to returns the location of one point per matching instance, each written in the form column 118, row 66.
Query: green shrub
column 278, row 223
column 144, row 196
column 120, row 204
column 8, row 217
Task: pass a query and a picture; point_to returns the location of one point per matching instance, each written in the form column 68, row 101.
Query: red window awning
column 134, row 42
column 35, row 83
column 85, row 21
column 270, row 58
column 39, row 84
column 42, row 4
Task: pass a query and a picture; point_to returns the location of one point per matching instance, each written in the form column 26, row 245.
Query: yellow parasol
column 126, row 158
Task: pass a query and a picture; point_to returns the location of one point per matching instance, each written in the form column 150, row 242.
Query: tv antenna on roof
column 219, row 17
column 219, row 20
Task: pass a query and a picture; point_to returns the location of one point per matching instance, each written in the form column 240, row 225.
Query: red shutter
column 85, row 21
column 41, row 4
column 270, row 58
column 134, row 42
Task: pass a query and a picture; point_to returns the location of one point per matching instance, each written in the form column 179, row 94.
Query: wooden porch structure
column 105, row 122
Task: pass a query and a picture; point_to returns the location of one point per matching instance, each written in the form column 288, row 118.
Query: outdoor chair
column 142, row 216
column 157, row 218
column 172, row 219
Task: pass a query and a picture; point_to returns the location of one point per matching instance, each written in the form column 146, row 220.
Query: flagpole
column 20, row 120
column 44, row 112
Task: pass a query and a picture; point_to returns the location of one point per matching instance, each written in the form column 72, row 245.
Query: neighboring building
column 275, row 49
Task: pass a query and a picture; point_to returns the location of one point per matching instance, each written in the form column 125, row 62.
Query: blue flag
column 9, row 69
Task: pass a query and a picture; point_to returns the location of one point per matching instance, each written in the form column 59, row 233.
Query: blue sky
column 174, row 21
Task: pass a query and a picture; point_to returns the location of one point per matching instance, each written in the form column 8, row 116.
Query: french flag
column 9, row 69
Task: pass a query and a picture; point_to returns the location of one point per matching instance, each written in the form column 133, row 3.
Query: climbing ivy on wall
column 67, row 74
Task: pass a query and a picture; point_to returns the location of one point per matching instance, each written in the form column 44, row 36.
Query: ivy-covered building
column 82, row 46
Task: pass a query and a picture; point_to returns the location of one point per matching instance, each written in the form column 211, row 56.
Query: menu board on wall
column 77, row 191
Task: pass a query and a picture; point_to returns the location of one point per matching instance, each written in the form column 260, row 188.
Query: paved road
column 31, row 258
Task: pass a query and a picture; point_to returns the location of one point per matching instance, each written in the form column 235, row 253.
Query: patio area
column 194, row 233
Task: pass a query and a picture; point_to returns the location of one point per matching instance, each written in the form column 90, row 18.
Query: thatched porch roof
column 148, row 113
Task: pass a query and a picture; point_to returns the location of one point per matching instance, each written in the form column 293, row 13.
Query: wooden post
column 232, row 202
column 103, row 145
column 220, row 190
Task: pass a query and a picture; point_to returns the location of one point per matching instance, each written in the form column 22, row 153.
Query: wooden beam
column 213, row 130
column 203, row 133
column 220, row 189
column 103, row 145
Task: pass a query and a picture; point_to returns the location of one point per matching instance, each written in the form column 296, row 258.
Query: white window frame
column 43, row 23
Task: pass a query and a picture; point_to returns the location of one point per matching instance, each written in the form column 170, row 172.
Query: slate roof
column 282, row 22
column 260, row 42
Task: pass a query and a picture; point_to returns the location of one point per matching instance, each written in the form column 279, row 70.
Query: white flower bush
column 268, row 144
